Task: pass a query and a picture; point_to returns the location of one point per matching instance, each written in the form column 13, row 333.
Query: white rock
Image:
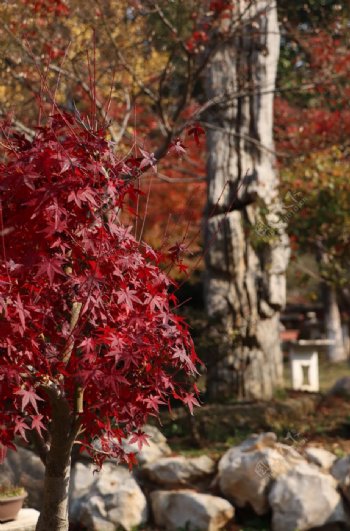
column 320, row 457
column 25, row 521
column 177, row 509
column 180, row 470
column 128, row 506
column 246, row 471
column 304, row 498
column 111, row 478
column 82, row 477
column 157, row 437
column 110, row 498
column 157, row 446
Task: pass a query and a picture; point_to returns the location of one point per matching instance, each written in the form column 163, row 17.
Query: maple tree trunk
column 246, row 260
column 333, row 326
column 54, row 512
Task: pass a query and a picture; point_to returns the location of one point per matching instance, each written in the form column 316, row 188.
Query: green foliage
column 11, row 491
column 188, row 527
column 311, row 30
column 311, row 12
column 261, row 523
column 323, row 225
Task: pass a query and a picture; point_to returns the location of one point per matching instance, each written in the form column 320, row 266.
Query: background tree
column 246, row 282
column 322, row 227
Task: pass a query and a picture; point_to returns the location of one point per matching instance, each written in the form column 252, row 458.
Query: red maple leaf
column 190, row 400
column 140, row 438
column 50, row 267
column 37, row 423
column 20, row 427
column 196, row 131
column 127, row 296
column 29, row 396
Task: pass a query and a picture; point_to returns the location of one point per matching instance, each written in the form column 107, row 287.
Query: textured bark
column 54, row 513
column 246, row 260
column 333, row 326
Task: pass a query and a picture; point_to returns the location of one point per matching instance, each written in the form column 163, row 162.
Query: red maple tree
column 89, row 339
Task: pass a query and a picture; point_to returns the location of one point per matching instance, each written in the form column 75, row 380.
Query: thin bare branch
column 165, row 178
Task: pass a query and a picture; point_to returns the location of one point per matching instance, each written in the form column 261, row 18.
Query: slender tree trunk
column 54, row 513
column 246, row 257
column 333, row 326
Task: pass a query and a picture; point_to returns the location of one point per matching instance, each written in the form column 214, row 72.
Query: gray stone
column 7, row 474
column 341, row 387
column 247, row 471
column 304, row 498
column 93, row 515
column 199, row 512
column 25, row 521
column 320, row 457
column 341, row 468
column 95, row 523
column 180, row 470
column 24, row 468
column 341, row 472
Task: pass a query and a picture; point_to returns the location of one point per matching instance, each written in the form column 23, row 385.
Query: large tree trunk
column 334, row 332
column 246, row 258
column 54, row 512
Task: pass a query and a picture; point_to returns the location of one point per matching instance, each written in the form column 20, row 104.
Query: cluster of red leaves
column 64, row 253
column 57, row 7
column 173, row 210
column 204, row 21
column 300, row 130
column 320, row 119
column 195, row 42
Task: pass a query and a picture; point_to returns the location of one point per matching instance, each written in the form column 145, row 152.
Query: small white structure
column 303, row 357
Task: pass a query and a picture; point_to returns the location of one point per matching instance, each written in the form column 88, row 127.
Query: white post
column 304, row 367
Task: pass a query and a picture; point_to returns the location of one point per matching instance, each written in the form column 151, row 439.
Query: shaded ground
column 298, row 419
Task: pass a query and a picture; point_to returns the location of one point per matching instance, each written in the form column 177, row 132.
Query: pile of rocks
column 302, row 490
